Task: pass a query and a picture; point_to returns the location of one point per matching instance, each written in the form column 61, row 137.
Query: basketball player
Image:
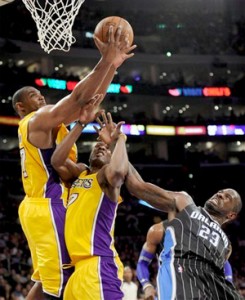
column 152, row 248
column 42, row 211
column 195, row 247
column 91, row 212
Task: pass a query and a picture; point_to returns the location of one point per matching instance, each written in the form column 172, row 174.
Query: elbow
column 54, row 163
column 134, row 187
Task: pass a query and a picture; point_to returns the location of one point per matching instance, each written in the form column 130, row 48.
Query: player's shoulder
column 184, row 194
column 157, row 227
column 155, row 230
column 155, row 233
column 182, row 200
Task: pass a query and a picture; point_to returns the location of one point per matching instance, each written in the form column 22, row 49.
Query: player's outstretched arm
column 113, row 54
column 115, row 172
column 66, row 168
column 159, row 198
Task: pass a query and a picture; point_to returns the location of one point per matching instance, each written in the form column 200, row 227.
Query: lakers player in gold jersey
column 42, row 211
column 91, row 212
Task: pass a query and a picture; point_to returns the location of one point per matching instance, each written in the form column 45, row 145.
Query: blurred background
column 182, row 97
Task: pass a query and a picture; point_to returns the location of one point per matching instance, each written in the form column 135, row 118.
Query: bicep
column 65, row 111
column 134, row 173
column 133, row 183
column 114, row 178
column 150, row 248
column 154, row 238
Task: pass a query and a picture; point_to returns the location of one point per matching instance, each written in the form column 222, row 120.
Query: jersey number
column 23, row 159
column 207, row 234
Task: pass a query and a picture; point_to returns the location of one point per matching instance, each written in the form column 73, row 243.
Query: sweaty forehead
column 231, row 192
column 233, row 195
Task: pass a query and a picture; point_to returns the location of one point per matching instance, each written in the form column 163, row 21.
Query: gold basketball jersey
column 90, row 220
column 42, row 212
column 38, row 177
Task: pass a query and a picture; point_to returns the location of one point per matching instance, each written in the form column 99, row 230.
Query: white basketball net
column 54, row 20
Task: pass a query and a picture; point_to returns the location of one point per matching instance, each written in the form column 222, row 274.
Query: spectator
column 129, row 287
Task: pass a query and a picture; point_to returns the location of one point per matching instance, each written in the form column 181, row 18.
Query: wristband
column 124, row 136
column 81, row 124
column 145, row 286
column 228, row 271
column 142, row 269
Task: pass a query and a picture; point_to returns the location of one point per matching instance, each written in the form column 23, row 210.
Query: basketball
column 102, row 28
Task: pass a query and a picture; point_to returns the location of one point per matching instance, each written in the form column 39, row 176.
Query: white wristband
column 147, row 285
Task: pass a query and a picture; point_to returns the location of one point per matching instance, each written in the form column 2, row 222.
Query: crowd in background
column 185, row 33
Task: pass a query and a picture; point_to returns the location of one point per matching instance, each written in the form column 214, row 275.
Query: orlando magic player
column 195, row 246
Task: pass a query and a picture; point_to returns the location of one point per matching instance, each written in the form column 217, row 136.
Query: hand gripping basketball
column 102, row 29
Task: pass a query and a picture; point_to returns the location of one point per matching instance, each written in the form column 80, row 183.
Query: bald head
column 225, row 205
column 27, row 100
column 19, row 96
column 237, row 201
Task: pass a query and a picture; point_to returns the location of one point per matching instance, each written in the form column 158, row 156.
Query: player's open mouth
column 214, row 200
column 101, row 153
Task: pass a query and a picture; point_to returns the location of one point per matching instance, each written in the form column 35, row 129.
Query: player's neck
column 218, row 218
column 93, row 170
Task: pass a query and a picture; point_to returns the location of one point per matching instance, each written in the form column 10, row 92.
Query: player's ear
column 231, row 215
column 19, row 106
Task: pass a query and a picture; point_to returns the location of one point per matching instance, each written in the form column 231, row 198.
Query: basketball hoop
column 54, row 20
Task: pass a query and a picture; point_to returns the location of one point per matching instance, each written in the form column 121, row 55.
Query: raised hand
column 90, row 110
column 115, row 51
column 108, row 131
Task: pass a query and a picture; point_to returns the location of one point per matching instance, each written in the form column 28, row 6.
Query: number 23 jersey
column 194, row 234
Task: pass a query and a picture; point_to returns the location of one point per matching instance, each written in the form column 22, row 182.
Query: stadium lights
column 60, row 84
